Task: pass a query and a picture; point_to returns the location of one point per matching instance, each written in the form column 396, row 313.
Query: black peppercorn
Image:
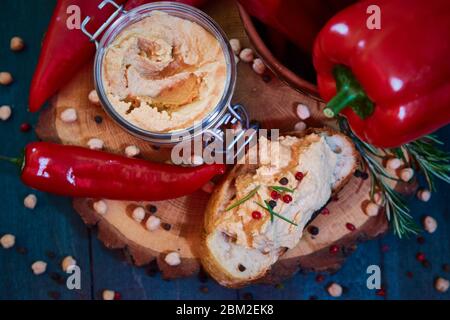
column 59, row 279
column 426, row 264
column 98, row 119
column 202, row 276
column 54, row 295
column 151, row 208
column 420, row 240
column 50, row 254
column 272, row 204
column 247, row 296
column 152, row 268
column 284, row 181
column 266, row 78
column 313, row 230
column 446, row 267
column 357, row 173
column 241, row 268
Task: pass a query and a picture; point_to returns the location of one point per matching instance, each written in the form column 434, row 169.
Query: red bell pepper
column 81, row 172
column 391, row 84
column 64, row 51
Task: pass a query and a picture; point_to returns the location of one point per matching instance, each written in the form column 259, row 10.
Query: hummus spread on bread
column 318, row 163
column 261, row 208
column 163, row 73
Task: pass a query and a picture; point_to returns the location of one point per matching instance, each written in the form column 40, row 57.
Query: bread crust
column 222, row 193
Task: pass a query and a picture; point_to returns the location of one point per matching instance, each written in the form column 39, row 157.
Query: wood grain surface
column 272, row 104
column 53, row 230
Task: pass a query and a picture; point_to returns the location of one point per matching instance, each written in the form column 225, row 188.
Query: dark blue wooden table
column 53, row 230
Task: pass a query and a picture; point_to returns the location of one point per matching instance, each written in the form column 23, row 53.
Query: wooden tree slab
column 270, row 102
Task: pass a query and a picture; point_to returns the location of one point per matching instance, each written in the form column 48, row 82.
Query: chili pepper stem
column 16, row 161
column 339, row 102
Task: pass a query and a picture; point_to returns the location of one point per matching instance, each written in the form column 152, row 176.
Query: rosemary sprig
column 396, row 210
column 244, row 199
column 432, row 161
column 281, row 189
column 273, row 213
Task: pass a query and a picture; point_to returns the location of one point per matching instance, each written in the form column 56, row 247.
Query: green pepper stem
column 16, row 161
column 341, row 100
column 349, row 94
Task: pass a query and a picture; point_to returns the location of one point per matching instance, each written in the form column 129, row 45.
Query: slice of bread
column 238, row 250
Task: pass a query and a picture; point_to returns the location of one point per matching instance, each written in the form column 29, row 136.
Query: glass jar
column 223, row 114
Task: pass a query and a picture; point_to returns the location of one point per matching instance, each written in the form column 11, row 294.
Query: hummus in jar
column 163, row 73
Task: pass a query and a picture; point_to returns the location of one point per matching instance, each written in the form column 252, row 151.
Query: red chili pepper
column 391, row 84
column 65, row 51
column 81, row 172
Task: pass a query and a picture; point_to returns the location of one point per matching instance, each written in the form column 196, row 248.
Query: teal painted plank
column 401, row 256
column 303, row 286
column 52, row 226
column 112, row 271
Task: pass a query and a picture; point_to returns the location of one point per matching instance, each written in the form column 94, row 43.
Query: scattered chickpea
column 247, row 55
column 5, row 112
column 30, row 201
column 393, row 163
column 93, row 97
column 101, row 207
column 406, row 174
column 39, row 267
column 7, row 241
column 372, row 209
column 69, row 115
column 173, row 259
column 208, row 187
column 378, row 198
column 334, row 290
column 300, row 126
column 67, row 263
column 153, row 223
column 258, row 66
column 108, row 295
column 303, row 111
column 429, row 224
column 6, row 78
column 95, row 144
column 138, row 214
column 235, row 45
column 17, row 44
column 441, row 284
column 424, row 195
column 132, row 151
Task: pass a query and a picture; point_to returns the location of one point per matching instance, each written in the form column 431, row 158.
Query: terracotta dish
column 277, row 67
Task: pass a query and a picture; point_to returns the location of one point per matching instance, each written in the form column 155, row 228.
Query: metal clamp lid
column 93, row 36
column 236, row 115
